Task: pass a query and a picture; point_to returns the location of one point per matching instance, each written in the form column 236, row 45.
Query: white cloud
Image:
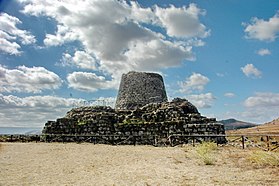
column 86, row 81
column 62, row 36
column 263, row 100
column 195, row 82
column 251, row 71
column 142, row 14
column 11, row 37
column 263, row 30
column 157, row 54
column 9, row 47
column 260, row 108
column 80, row 59
column 182, row 22
column 202, row 100
column 31, row 80
column 36, row 101
column 263, row 52
column 35, row 111
column 229, row 94
column 114, row 32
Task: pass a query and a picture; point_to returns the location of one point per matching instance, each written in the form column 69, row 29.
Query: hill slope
column 267, row 128
column 232, row 124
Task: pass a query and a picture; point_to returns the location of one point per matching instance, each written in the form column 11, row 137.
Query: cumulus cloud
column 11, row 36
column 35, row 111
column 260, row 108
column 229, row 94
column 81, row 59
column 263, row 52
column 195, row 82
column 182, row 22
column 157, row 54
column 30, row 80
column 251, row 71
column 263, row 30
column 202, row 100
column 140, row 14
column 63, row 35
column 86, row 81
column 263, row 100
column 115, row 33
column 9, row 47
column 32, row 111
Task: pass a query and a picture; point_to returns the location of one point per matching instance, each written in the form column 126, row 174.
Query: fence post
column 193, row 140
column 267, row 142
column 243, row 140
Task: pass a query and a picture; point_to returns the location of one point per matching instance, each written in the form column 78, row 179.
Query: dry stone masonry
column 139, row 118
column 138, row 89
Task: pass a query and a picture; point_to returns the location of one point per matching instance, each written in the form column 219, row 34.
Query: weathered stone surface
column 154, row 120
column 138, row 89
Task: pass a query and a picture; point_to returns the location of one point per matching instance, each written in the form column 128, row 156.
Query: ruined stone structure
column 138, row 89
column 142, row 116
column 167, row 123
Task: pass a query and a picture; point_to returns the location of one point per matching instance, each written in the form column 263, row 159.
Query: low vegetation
column 206, row 151
column 264, row 158
column 82, row 122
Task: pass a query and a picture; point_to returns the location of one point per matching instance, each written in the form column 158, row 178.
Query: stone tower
column 138, row 89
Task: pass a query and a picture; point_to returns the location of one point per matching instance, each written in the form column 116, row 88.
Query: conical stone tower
column 138, row 89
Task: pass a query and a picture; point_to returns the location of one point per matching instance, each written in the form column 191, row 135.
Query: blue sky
column 220, row 55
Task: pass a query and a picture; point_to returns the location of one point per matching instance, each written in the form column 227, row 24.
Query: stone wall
column 138, row 89
column 167, row 123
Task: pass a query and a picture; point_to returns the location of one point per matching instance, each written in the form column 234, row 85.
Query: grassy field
column 88, row 164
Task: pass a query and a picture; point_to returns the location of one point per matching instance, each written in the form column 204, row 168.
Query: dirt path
column 88, row 164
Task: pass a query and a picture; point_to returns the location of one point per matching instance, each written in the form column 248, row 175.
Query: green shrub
column 81, row 122
column 263, row 158
column 133, row 121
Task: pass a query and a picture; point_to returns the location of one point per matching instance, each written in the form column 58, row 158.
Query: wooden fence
column 267, row 142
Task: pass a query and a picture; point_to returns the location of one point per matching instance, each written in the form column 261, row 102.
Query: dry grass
column 263, row 158
column 206, row 152
column 88, row 164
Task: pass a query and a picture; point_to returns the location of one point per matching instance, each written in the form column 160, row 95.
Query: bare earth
column 88, row 164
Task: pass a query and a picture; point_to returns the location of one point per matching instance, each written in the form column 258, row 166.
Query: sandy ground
column 88, row 164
